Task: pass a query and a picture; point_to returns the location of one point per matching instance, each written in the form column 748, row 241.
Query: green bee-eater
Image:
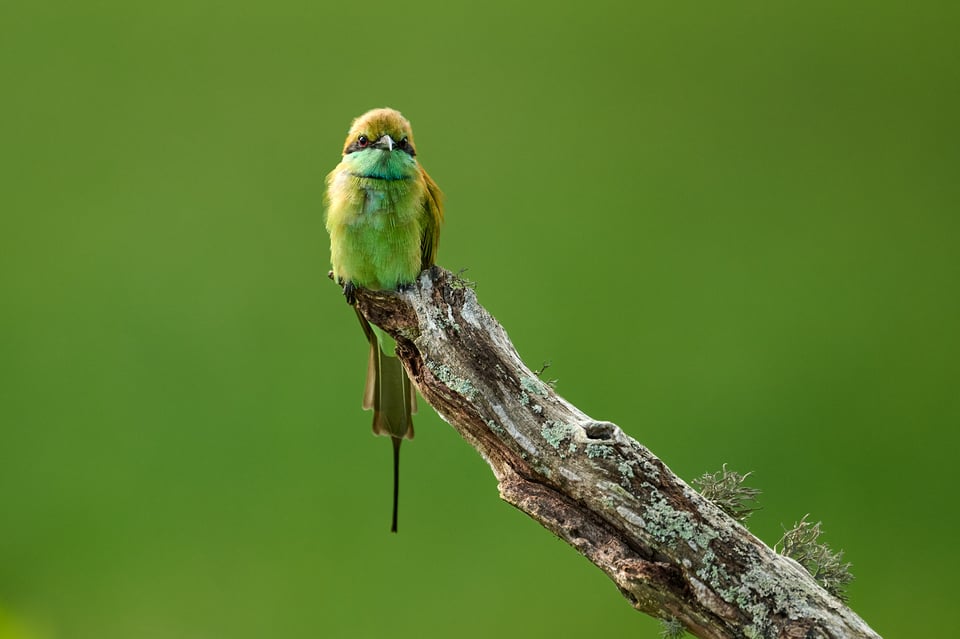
column 383, row 216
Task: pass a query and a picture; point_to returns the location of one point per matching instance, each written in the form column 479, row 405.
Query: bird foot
column 350, row 292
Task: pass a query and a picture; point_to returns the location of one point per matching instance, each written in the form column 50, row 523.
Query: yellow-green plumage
column 383, row 215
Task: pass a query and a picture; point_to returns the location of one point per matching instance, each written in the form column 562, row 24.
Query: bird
column 383, row 214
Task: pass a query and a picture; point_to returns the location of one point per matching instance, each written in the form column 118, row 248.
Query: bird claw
column 350, row 292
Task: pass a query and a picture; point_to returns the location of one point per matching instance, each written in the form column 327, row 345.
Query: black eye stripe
column 362, row 142
column 404, row 145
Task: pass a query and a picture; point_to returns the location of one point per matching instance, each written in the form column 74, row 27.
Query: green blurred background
column 733, row 230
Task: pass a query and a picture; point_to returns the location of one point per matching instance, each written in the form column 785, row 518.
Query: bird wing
column 433, row 217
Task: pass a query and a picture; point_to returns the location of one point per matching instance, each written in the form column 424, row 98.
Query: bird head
column 380, row 146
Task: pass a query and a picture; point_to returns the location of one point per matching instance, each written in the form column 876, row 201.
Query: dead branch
column 671, row 552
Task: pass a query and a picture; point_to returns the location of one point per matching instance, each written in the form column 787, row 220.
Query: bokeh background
column 732, row 229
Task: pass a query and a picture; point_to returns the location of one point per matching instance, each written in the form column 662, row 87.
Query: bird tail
column 391, row 396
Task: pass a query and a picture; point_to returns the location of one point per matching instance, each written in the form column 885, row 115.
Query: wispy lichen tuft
column 458, row 281
column 552, row 383
column 801, row 543
column 725, row 489
column 671, row 628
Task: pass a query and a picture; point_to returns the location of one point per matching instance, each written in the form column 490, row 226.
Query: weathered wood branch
column 671, row 552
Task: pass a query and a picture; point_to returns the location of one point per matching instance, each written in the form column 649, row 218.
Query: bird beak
column 384, row 141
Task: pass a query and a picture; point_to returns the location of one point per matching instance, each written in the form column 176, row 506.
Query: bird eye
column 363, row 141
column 404, row 145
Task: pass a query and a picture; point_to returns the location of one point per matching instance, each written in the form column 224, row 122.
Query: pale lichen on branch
column 672, row 553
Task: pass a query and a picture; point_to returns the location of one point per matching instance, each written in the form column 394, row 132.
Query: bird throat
column 380, row 165
column 384, row 178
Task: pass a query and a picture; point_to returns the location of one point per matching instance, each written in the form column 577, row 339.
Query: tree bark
column 671, row 552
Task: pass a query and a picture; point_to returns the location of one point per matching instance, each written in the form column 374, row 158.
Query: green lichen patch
column 458, row 385
column 602, row 451
column 669, row 525
column 543, row 469
column 758, row 594
column 712, row 573
column 408, row 332
column 555, row 433
column 445, row 322
column 532, row 386
column 495, row 427
column 612, row 490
